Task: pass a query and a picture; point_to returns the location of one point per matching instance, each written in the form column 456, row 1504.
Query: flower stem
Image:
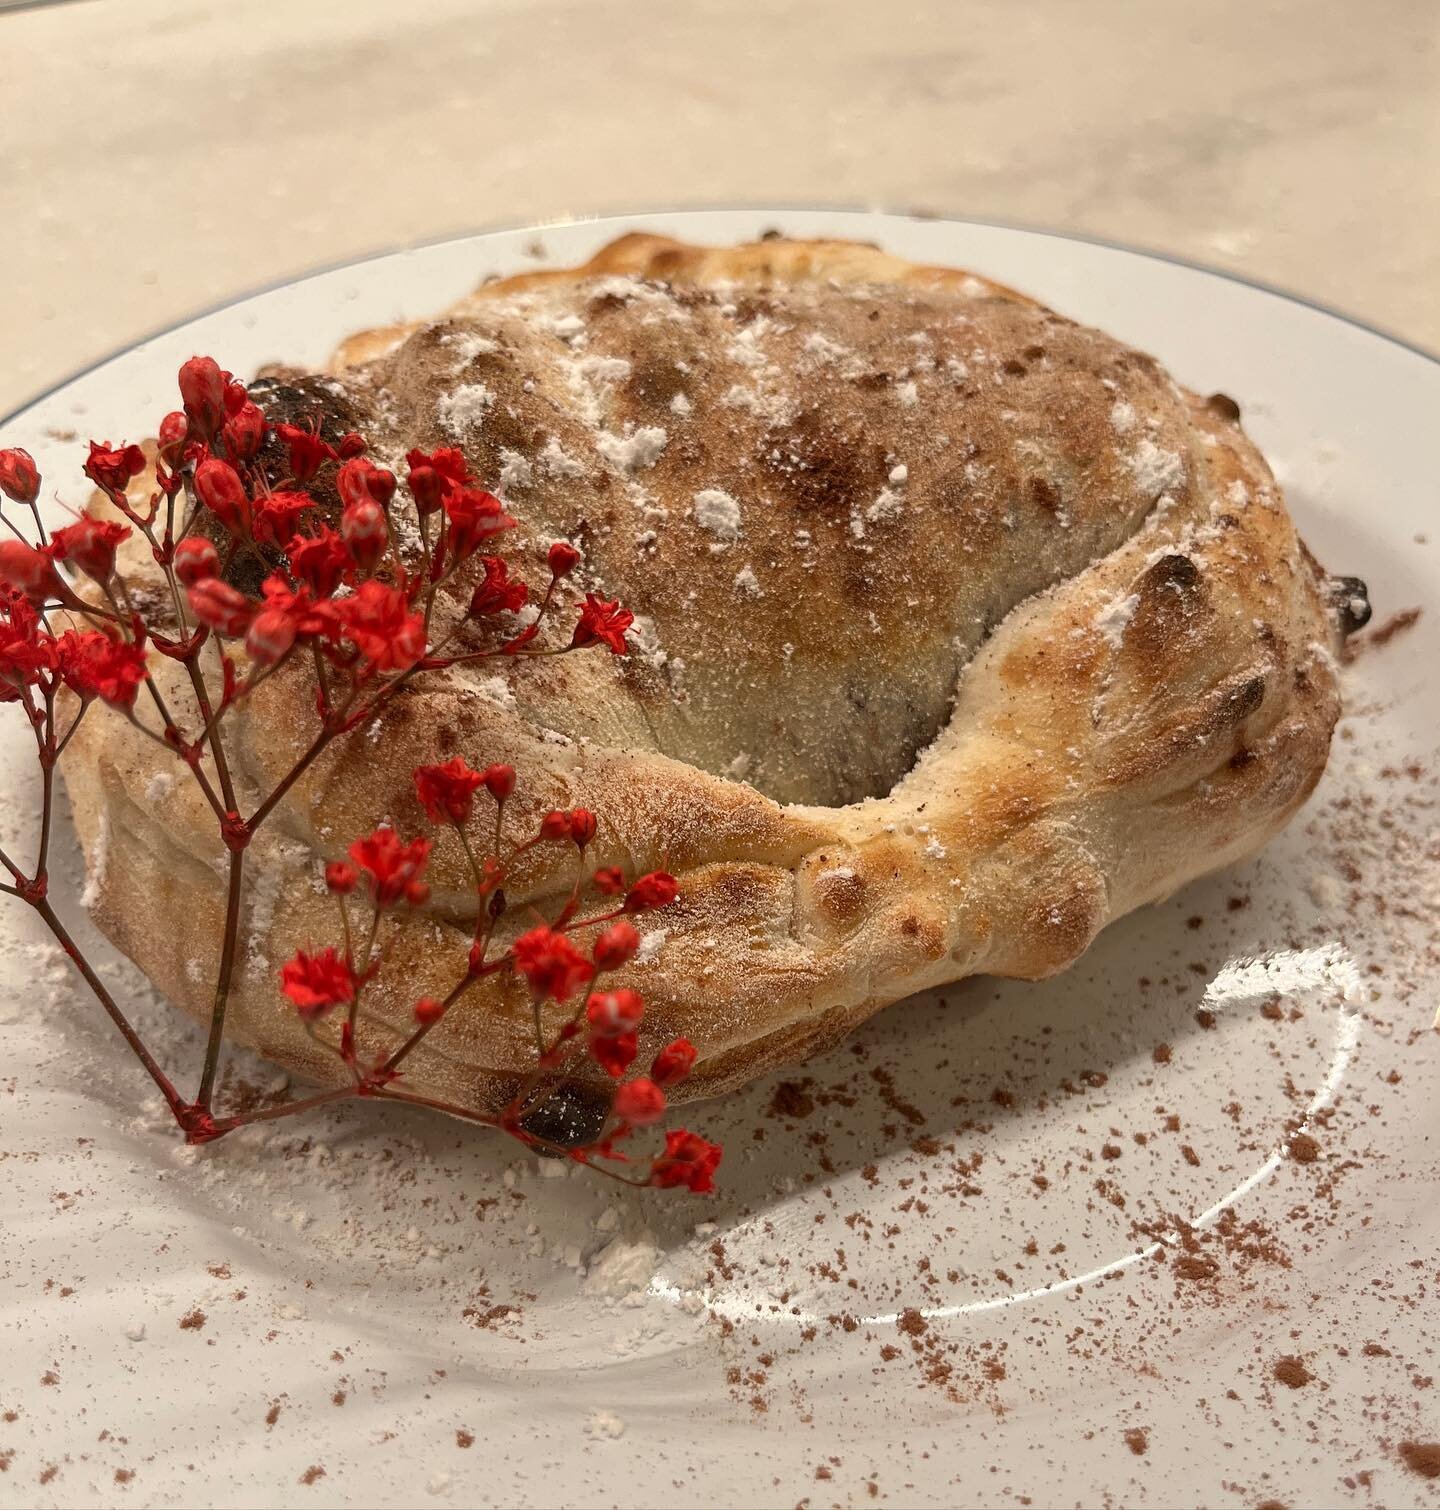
column 217, row 748
column 222, row 980
column 317, row 748
column 286, row 1108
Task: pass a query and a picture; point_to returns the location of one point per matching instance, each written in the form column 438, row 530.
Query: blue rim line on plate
column 760, row 209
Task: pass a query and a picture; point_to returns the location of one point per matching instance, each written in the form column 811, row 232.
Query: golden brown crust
column 967, row 632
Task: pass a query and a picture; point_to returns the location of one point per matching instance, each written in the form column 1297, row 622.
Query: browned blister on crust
column 964, row 631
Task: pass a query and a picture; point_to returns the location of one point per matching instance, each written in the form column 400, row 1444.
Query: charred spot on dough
column 668, row 259
column 1225, row 406
column 927, row 934
column 1057, row 928
column 304, row 400
column 655, row 383
column 1043, row 493
column 1241, row 699
column 1172, row 597
column 571, row 1114
column 736, row 890
column 1174, row 571
column 818, row 465
column 505, row 430
column 246, row 571
column 1350, row 598
column 839, row 893
column 607, row 303
column 753, row 306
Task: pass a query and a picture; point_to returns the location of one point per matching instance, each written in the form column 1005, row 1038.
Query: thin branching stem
column 233, row 896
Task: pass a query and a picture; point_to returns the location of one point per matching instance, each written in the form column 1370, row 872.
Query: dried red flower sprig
column 359, row 613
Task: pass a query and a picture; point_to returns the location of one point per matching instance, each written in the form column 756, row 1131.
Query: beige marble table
column 156, row 157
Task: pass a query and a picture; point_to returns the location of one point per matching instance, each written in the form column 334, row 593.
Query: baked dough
column 963, row 631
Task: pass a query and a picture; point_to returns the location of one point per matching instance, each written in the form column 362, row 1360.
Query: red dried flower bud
column 196, row 560
column 352, row 444
column 658, row 889
column 270, row 636
column 582, row 826
column 218, row 487
column 615, row 945
column 427, row 488
column 378, row 621
column 639, row 1102
column 602, row 623
column 91, row 544
column 320, row 560
column 382, row 485
column 361, row 481
column 429, row 1011
column 611, row 1013
column 94, row 664
column 237, row 395
column 562, row 558
column 317, row 982
column 341, row 878
column 307, row 453
column 610, row 879
column 365, row 532
column 392, row 865
column 448, row 791
column 174, row 432
column 111, row 467
column 277, row 515
column 551, row 963
column 615, row 1054
column 499, row 592
column 499, row 781
column 417, row 893
column 310, row 620
column 19, row 478
column 688, row 1160
column 30, row 572
column 555, row 825
column 223, row 608
column 244, row 431
column 433, row 474
column 25, row 648
column 674, row 1062
column 474, row 515
column 202, row 391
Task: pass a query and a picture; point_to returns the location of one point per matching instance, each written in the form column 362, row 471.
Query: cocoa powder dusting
column 1291, row 1371
column 1422, row 1458
column 912, row 1323
column 791, row 1100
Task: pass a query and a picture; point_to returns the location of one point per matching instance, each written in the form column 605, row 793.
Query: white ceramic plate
column 950, row 1262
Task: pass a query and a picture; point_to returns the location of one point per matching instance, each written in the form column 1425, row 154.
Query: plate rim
column 1108, row 243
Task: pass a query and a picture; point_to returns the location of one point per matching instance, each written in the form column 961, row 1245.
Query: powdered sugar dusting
column 461, row 410
column 1114, row 619
column 1157, row 471
column 719, row 513
column 747, row 584
column 635, row 451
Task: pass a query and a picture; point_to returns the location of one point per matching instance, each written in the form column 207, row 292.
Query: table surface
column 161, row 158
